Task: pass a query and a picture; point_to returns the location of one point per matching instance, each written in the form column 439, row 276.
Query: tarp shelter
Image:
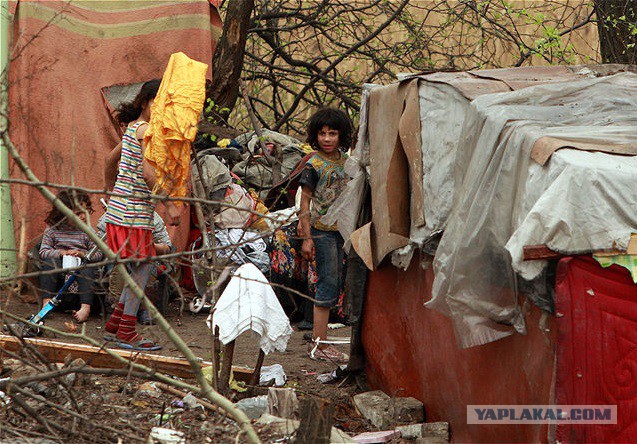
column 466, row 169
column 71, row 63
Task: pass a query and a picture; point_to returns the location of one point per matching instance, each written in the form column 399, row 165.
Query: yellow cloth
column 173, row 122
column 256, row 222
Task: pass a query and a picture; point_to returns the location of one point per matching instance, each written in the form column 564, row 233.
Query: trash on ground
column 160, row 435
column 336, row 326
column 253, row 407
column 334, row 375
column 282, row 402
column 149, row 389
column 190, row 402
column 274, row 371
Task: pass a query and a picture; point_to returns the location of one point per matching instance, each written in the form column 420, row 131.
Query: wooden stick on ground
column 56, row 351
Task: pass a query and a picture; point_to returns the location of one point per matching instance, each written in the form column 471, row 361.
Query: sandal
column 110, row 337
column 141, row 345
column 329, row 354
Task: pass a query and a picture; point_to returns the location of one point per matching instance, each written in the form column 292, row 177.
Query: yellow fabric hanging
column 173, row 122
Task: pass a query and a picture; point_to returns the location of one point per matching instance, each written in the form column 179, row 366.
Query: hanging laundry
column 249, row 303
column 173, row 122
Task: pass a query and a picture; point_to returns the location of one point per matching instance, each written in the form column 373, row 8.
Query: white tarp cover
column 575, row 203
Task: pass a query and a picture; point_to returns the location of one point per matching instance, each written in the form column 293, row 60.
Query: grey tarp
column 474, row 279
column 477, row 159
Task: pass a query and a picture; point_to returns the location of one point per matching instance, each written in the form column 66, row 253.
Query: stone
column 408, row 410
column 375, row 407
column 436, row 430
column 410, row 431
column 377, row 437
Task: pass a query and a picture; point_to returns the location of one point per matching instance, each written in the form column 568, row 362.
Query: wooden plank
column 537, row 252
column 56, row 351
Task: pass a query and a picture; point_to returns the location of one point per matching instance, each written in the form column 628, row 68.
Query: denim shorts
column 328, row 246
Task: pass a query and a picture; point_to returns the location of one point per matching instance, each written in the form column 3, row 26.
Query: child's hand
column 307, row 249
column 161, row 248
column 76, row 253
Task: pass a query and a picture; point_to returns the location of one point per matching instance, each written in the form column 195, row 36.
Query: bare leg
column 321, row 317
column 45, row 301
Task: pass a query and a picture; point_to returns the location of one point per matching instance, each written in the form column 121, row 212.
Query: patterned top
column 56, row 238
column 132, row 206
column 326, row 178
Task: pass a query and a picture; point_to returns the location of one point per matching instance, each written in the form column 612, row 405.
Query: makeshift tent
column 69, row 59
column 465, row 170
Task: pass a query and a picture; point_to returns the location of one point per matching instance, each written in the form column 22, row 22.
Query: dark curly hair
column 334, row 119
column 76, row 200
column 129, row 111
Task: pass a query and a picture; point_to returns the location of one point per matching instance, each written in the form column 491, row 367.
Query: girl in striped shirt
column 129, row 217
column 62, row 238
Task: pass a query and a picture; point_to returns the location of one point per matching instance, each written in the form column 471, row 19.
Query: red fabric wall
column 64, row 53
column 412, row 351
column 597, row 358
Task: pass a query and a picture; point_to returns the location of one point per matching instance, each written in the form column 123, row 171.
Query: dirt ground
column 301, row 372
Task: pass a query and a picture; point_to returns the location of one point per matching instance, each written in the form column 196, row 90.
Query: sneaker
column 329, row 354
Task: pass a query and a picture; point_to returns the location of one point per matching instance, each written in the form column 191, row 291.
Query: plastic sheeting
column 442, row 113
column 475, row 281
column 580, row 202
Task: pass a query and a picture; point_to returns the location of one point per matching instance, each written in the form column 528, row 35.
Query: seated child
column 62, row 238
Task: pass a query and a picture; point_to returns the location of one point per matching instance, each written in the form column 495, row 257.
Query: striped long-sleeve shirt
column 55, row 239
column 131, row 206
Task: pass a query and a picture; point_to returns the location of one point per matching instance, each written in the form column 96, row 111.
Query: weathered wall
column 411, row 351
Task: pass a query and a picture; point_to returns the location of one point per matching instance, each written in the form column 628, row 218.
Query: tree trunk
column 228, row 58
column 617, row 28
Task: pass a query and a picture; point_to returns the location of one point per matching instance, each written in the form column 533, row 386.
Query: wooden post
column 317, row 416
column 256, row 375
column 226, row 365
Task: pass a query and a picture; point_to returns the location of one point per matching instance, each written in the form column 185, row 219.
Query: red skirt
column 130, row 242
